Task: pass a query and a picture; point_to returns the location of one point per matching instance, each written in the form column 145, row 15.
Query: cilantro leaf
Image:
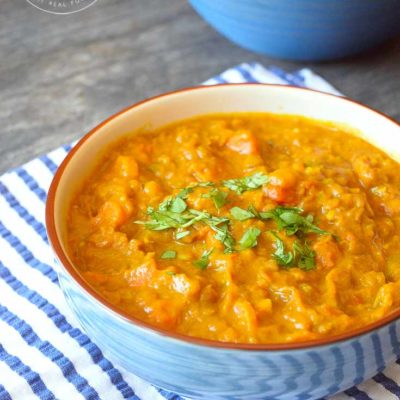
column 241, row 214
column 168, row 255
column 178, row 205
column 249, row 238
column 283, row 258
column 290, row 220
column 161, row 220
column 184, row 193
column 217, row 196
column 204, row 260
column 306, row 258
column 174, row 204
column 301, row 255
column 182, row 234
column 224, row 236
column 251, row 182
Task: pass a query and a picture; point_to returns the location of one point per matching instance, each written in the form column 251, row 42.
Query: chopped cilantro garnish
column 283, row 258
column 181, row 234
column 241, row 214
column 290, row 220
column 173, row 213
column 301, row 255
column 249, row 238
column 224, row 236
column 178, row 205
column 168, row 255
column 184, row 193
column 306, row 256
column 217, row 196
column 252, row 182
column 204, row 260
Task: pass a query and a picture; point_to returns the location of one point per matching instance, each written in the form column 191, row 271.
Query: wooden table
column 61, row 75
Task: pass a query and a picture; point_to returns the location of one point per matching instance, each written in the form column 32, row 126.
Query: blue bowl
column 203, row 369
column 303, row 29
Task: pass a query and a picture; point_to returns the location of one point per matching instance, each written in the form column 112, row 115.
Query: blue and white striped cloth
column 43, row 352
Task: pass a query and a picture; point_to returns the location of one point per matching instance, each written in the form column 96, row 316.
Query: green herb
column 251, row 182
column 178, row 205
column 241, row 214
column 306, row 256
column 204, row 184
column 290, row 220
column 217, row 196
column 173, row 204
column 161, row 220
column 168, row 255
column 282, row 257
column 184, row 193
column 170, row 273
column 164, row 206
column 253, row 210
column 249, row 238
column 203, row 262
column 182, row 234
column 224, row 236
column 301, row 255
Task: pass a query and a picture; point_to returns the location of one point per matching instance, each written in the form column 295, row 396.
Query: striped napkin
column 43, row 351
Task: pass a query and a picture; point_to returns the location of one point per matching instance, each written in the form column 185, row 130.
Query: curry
column 246, row 228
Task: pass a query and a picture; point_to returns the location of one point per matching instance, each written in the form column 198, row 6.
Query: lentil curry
column 249, row 228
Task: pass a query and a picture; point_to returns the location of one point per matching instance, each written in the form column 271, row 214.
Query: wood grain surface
column 61, row 75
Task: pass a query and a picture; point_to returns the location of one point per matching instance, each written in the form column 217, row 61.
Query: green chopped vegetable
column 184, row 193
column 241, row 214
column 283, row 258
column 252, row 182
column 306, row 256
column 182, row 234
column 249, row 238
column 290, row 220
column 173, row 213
column 217, row 196
column 301, row 255
column 178, row 205
column 204, row 260
column 168, row 255
column 224, row 236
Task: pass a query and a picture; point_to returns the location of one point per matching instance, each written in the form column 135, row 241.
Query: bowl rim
column 94, row 295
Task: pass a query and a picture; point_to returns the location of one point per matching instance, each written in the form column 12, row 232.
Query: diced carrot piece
column 243, row 143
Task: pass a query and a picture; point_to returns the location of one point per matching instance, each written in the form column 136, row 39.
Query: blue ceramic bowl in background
column 198, row 368
column 312, row 30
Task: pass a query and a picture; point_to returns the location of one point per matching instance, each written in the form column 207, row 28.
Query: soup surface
column 251, row 228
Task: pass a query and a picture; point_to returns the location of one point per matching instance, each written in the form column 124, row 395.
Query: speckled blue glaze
column 203, row 372
column 303, row 29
